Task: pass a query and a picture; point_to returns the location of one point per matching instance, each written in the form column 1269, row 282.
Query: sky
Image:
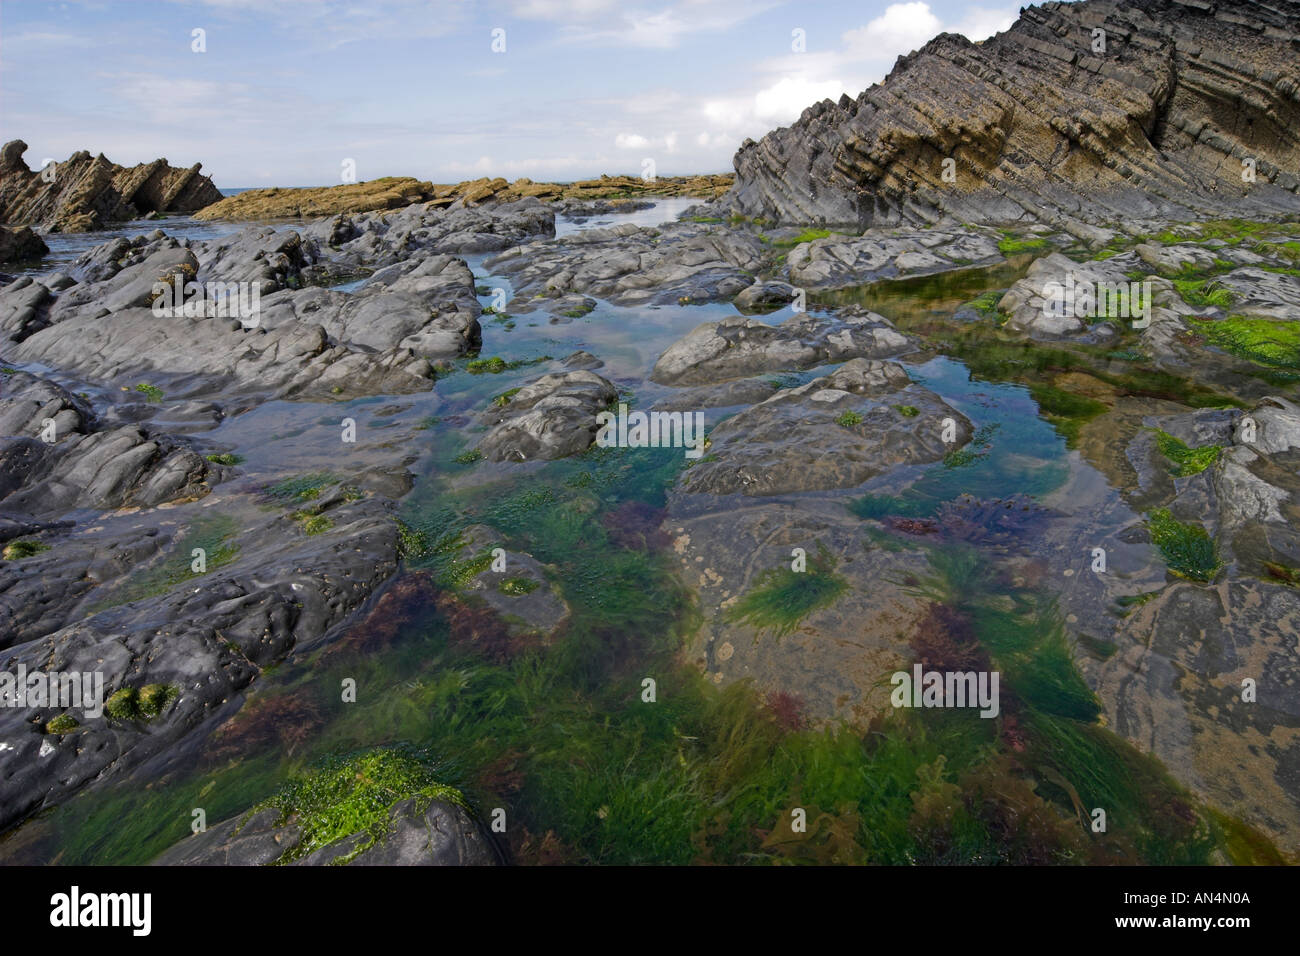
column 287, row 92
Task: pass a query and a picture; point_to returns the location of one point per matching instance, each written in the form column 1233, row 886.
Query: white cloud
column 631, row 141
column 980, row 24
column 660, row 29
column 783, row 102
column 903, row 27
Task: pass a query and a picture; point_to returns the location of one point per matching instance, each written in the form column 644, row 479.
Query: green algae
column 1201, row 293
column 502, row 400
column 849, row 418
column 144, row 703
column 517, row 587
column 312, row 524
column 1186, row 461
column 152, row 393
column 299, row 488
column 1267, row 342
column 21, row 548
column 1011, row 245
column 62, row 724
column 1188, row 549
column 353, row 794
column 782, row 597
column 496, row 364
column 225, row 458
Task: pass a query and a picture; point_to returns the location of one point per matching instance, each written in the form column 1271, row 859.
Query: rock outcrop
column 19, row 245
column 680, row 262
column 419, row 833
column 738, row 347
column 835, row 432
column 84, row 193
column 1104, row 111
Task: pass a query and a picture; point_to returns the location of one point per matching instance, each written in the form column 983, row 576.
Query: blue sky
column 287, row 90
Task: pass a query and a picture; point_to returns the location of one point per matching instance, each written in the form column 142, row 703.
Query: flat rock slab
column 835, row 663
column 739, row 347
column 835, row 432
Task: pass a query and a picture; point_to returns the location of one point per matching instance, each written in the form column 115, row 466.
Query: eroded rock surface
column 1041, row 126
column 85, row 193
column 835, row 432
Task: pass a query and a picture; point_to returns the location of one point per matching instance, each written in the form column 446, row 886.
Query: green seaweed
column 517, row 587
column 305, row 487
column 782, row 597
column 226, row 458
column 1186, row 461
column 21, row 548
column 1011, row 245
column 353, row 794
column 62, row 724
column 1263, row 341
column 152, row 393
column 212, row 533
column 1188, row 549
column 145, row 703
column 849, row 418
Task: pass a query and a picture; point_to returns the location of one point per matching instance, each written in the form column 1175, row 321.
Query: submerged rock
column 739, row 347
column 837, row 431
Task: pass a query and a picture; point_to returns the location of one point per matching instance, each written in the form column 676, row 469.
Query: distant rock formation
column 84, row 193
column 19, row 245
column 1093, row 112
column 395, row 191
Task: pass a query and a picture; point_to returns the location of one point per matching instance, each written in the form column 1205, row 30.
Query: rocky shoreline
column 920, row 450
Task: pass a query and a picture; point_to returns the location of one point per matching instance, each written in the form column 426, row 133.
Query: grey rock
column 552, row 417
column 792, row 442
column 738, row 347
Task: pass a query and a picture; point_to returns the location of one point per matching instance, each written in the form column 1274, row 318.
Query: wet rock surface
column 739, row 347
column 834, row 432
column 844, row 260
column 436, row 834
column 676, row 263
column 552, row 417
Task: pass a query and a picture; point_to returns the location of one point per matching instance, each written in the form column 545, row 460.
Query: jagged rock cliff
column 1055, row 121
column 84, row 193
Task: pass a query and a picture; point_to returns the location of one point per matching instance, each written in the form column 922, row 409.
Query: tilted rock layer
column 84, row 193
column 1100, row 112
